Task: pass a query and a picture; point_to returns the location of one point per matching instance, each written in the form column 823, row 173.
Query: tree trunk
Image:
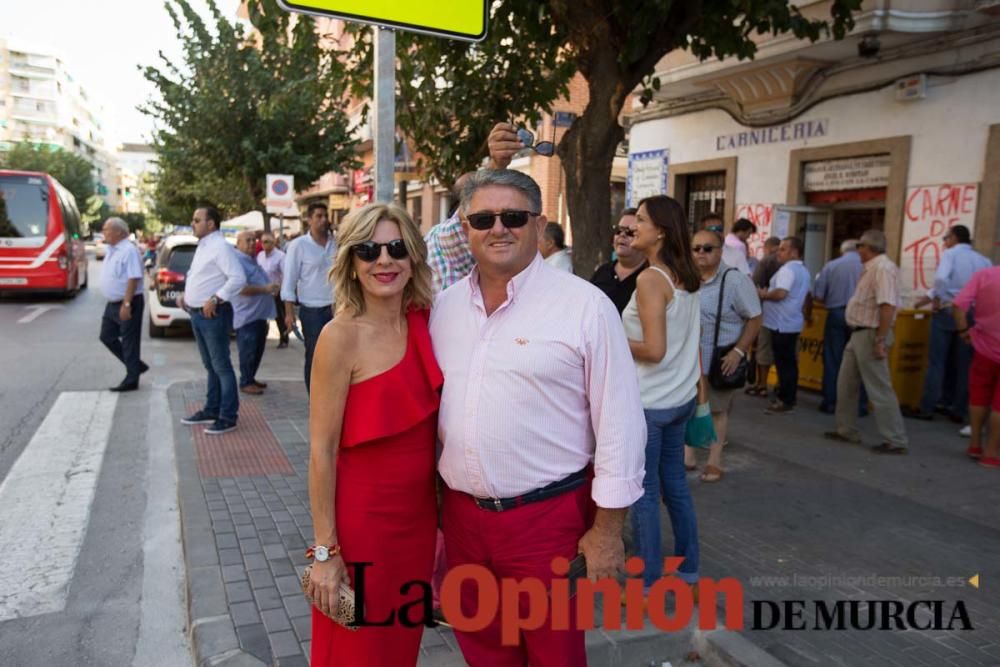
column 587, row 152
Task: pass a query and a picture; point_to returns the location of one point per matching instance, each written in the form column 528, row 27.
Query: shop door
column 812, row 224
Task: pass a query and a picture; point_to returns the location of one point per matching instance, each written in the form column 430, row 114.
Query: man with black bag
column 730, row 320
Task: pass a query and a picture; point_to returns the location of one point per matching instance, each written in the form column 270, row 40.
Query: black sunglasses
column 543, row 148
column 703, row 248
column 624, row 231
column 369, row 251
column 509, row 219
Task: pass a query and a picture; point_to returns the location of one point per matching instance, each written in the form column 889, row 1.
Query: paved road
column 92, row 570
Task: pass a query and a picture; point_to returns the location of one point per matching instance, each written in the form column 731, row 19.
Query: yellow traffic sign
column 974, row 580
column 454, row 19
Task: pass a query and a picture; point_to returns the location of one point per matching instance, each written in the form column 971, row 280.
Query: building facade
column 41, row 102
column 897, row 127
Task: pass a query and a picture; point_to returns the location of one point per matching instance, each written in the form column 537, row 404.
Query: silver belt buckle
column 498, row 504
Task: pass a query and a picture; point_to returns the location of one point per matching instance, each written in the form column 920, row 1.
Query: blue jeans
column 666, row 478
column 836, row 333
column 212, row 336
column 250, row 341
column 313, row 320
column 946, row 352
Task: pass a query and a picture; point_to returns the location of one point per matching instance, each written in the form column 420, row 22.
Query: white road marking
column 45, row 503
column 163, row 611
column 39, row 311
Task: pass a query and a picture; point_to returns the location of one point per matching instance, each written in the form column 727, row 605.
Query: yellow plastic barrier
column 907, row 357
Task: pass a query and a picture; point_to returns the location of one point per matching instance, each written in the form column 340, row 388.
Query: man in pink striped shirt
column 540, row 416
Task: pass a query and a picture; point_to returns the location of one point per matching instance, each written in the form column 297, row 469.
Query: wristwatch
column 321, row 553
column 127, row 304
column 216, row 300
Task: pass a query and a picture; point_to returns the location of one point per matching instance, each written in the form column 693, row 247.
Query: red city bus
column 40, row 244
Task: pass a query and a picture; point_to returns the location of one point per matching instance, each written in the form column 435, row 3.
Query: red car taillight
column 62, row 258
column 167, row 277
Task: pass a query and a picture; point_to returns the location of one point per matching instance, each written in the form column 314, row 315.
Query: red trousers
column 516, row 544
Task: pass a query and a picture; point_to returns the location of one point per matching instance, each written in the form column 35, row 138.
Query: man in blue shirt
column 834, row 288
column 947, row 378
column 308, row 260
column 251, row 311
column 785, row 301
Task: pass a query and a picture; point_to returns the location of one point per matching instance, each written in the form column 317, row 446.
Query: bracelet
column 743, row 355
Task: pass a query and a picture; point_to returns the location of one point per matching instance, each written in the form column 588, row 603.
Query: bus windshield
column 24, row 206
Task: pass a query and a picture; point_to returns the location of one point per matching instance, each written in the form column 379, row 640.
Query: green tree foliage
column 614, row 44
column 451, row 93
column 73, row 171
column 241, row 106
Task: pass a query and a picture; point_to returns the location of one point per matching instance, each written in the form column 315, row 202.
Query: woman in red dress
column 372, row 425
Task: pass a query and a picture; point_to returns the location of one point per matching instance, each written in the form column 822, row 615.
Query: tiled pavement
column 793, row 505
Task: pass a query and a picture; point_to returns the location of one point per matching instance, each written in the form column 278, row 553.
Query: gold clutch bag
column 345, row 602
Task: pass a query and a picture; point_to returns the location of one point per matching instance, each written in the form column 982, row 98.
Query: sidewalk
column 246, row 522
column 790, row 510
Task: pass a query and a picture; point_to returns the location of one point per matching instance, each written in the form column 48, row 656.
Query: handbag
column 716, row 376
column 700, row 429
column 345, row 615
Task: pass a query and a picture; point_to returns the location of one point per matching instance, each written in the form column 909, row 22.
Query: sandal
column 691, row 468
column 754, row 390
column 711, row 474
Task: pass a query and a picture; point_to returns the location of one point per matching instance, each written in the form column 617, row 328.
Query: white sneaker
column 966, row 431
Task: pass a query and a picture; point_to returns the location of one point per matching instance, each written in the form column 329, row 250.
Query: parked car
column 166, row 284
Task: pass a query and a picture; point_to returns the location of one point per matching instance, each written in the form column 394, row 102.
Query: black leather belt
column 855, row 330
column 552, row 490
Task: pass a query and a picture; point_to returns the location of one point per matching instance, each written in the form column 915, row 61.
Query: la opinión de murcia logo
column 529, row 603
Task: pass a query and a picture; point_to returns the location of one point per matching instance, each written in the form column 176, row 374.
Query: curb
column 212, row 633
column 725, row 648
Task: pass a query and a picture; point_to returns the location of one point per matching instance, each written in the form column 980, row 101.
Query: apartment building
column 41, row 102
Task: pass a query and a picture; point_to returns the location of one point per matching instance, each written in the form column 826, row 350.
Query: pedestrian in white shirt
column 121, row 283
column 734, row 250
column 215, row 277
column 272, row 260
column 308, row 260
column 540, row 395
column 552, row 245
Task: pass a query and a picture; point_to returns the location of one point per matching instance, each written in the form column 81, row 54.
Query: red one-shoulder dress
column 386, row 509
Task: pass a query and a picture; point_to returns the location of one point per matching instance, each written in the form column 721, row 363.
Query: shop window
column 706, row 193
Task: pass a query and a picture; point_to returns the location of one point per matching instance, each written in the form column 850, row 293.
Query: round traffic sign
column 279, row 187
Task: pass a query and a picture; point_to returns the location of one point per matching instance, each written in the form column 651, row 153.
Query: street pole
column 385, row 113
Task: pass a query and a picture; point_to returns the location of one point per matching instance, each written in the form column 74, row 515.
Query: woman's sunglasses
column 543, row 148
column 369, row 251
column 624, row 231
column 703, row 248
column 509, row 219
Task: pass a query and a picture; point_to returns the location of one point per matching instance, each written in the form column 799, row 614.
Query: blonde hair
column 358, row 227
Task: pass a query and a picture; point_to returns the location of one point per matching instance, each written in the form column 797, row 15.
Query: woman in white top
column 662, row 322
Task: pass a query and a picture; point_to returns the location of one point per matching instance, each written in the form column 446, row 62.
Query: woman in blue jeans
column 662, row 323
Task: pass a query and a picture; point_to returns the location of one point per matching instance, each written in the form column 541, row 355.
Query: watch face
column 321, row 554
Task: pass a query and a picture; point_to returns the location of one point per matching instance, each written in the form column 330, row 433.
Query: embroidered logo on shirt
column 521, row 341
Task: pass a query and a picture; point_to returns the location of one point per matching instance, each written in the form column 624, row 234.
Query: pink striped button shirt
column 537, row 390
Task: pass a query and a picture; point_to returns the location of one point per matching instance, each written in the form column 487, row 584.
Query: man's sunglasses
column 509, row 219
column 543, row 148
column 369, row 251
column 624, row 231
column 703, row 248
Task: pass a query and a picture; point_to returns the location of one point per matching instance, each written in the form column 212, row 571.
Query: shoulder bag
column 716, row 376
